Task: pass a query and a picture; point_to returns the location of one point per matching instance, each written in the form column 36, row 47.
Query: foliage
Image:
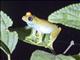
column 26, row 36
column 68, row 16
column 8, row 40
column 42, row 55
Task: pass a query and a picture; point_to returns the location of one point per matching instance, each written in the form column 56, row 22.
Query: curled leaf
column 8, row 39
column 68, row 16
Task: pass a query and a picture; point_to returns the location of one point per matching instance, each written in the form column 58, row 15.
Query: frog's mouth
column 24, row 18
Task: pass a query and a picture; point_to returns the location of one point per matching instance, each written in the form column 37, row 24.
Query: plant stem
column 71, row 44
column 9, row 56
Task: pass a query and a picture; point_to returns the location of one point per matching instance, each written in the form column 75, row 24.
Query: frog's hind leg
column 53, row 37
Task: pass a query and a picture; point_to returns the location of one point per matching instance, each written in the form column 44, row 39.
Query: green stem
column 9, row 56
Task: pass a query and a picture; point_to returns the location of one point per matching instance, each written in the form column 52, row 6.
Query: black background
column 42, row 9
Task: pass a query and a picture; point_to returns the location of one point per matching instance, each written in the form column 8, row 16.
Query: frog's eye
column 30, row 18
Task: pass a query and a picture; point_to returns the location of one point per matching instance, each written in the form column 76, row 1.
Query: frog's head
column 29, row 18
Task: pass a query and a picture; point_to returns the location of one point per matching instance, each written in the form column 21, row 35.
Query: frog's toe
column 40, row 41
column 49, row 45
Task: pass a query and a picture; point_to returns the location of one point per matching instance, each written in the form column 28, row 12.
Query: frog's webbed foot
column 53, row 37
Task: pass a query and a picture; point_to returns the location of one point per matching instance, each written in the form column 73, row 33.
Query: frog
column 41, row 26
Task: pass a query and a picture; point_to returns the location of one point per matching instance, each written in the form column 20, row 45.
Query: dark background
column 42, row 9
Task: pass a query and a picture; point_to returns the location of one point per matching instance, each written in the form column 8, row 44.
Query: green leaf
column 27, row 36
column 42, row 55
column 68, row 16
column 77, row 57
column 8, row 39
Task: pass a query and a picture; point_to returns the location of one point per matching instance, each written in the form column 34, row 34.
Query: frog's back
column 45, row 23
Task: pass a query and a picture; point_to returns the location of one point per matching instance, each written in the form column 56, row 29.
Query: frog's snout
column 23, row 18
column 28, row 14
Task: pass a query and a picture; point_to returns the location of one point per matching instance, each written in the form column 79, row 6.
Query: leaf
column 5, row 20
column 68, row 16
column 27, row 36
column 8, row 39
column 77, row 57
column 42, row 55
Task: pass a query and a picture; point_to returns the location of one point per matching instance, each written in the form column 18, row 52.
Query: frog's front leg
column 33, row 32
column 39, row 36
column 53, row 37
column 36, row 36
column 32, row 36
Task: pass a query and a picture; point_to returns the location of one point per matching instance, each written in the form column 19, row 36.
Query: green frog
column 42, row 26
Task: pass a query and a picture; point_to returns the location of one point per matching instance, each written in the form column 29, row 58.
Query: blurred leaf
column 77, row 57
column 42, row 55
column 34, row 39
column 8, row 39
column 27, row 36
column 22, row 32
column 68, row 16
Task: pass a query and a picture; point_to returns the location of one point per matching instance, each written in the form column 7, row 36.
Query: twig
column 71, row 44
